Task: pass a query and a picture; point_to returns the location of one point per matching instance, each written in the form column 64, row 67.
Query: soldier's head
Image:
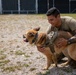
column 53, row 15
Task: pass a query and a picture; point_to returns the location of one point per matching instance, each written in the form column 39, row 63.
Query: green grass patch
column 4, row 62
column 1, row 52
column 32, row 69
column 71, row 15
column 27, row 55
column 2, row 57
column 43, row 16
column 14, row 67
column 19, row 53
column 26, row 65
column 11, row 68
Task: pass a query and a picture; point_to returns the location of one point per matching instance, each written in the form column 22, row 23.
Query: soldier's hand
column 61, row 42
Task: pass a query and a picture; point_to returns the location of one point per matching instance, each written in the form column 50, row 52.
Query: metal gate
column 42, row 6
column 36, row 6
column 27, row 6
column 18, row 6
column 9, row 6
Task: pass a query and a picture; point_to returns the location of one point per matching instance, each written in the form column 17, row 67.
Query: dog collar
column 35, row 38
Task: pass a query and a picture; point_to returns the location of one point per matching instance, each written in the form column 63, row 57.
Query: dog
column 68, row 50
column 39, row 39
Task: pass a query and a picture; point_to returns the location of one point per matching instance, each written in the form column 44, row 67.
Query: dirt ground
column 18, row 57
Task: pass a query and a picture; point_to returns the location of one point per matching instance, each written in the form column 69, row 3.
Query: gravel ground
column 18, row 57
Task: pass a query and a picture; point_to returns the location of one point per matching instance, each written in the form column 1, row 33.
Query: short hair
column 53, row 11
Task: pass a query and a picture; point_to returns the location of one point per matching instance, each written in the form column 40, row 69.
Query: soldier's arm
column 72, row 39
column 72, row 27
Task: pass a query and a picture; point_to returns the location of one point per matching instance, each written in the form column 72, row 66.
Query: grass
column 19, row 52
column 43, row 16
column 2, row 57
column 1, row 52
column 72, row 15
column 11, row 68
column 4, row 62
column 14, row 67
column 32, row 69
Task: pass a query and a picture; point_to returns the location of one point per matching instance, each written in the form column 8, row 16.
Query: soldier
column 65, row 23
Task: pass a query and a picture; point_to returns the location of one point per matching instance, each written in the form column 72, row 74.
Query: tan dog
column 69, row 50
column 39, row 39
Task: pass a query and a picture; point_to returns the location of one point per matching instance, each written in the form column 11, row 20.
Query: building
column 36, row 6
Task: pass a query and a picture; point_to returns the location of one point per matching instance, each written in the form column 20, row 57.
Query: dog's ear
column 37, row 29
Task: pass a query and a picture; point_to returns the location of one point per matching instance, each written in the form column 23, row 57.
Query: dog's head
column 31, row 35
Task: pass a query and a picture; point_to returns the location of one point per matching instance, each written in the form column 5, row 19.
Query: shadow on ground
column 59, row 71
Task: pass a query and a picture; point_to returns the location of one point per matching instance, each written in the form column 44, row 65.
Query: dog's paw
column 64, row 64
column 45, row 68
